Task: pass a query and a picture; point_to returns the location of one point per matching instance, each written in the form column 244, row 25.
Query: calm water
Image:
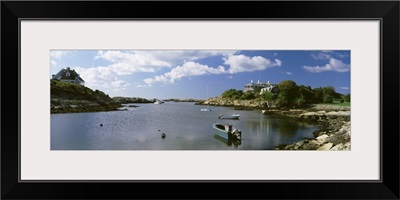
column 186, row 127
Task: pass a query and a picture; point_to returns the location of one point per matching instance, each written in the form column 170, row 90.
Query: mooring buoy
column 101, row 124
column 163, row 135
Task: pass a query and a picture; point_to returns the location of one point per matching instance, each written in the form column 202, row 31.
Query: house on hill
column 270, row 87
column 68, row 75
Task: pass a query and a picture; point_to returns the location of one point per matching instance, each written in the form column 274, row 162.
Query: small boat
column 208, row 108
column 158, row 101
column 233, row 116
column 227, row 131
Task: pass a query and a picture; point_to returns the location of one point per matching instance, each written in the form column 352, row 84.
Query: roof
column 62, row 75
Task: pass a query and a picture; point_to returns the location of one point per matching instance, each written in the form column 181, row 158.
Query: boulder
column 322, row 138
column 325, row 147
column 338, row 147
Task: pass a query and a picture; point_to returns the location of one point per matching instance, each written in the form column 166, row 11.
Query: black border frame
column 386, row 11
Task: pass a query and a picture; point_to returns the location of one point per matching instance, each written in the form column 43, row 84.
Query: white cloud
column 102, row 78
column 333, row 65
column 288, row 73
column 53, row 63
column 123, row 63
column 58, row 54
column 185, row 70
column 322, row 55
column 120, row 84
column 236, row 64
column 153, row 60
column 343, row 55
column 181, row 63
column 345, row 88
column 275, row 54
column 242, row 63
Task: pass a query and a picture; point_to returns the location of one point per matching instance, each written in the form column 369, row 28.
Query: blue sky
column 188, row 73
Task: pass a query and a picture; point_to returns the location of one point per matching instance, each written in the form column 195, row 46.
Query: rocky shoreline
column 333, row 122
column 334, row 129
column 59, row 105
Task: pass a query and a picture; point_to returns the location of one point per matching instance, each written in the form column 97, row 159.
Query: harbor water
column 184, row 125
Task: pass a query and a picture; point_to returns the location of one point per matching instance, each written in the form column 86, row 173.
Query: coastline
column 77, row 106
column 334, row 131
column 334, row 123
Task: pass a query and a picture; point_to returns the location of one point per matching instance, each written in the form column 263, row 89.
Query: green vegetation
column 289, row 94
column 124, row 100
column 71, row 97
column 232, row 94
column 346, row 98
column 71, row 91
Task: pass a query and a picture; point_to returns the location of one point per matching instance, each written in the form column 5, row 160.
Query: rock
column 336, row 139
column 311, row 145
column 322, row 138
column 325, row 147
column 298, row 144
column 347, row 146
column 338, row 147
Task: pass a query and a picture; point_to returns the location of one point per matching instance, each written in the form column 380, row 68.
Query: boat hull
column 229, row 117
column 221, row 131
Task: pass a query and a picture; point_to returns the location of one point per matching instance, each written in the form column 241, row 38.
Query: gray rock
column 338, row 147
column 325, row 147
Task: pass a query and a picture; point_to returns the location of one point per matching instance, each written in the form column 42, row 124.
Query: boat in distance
column 157, row 101
column 233, row 116
column 227, row 131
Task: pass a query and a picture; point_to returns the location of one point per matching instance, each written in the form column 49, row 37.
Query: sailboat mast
column 207, row 98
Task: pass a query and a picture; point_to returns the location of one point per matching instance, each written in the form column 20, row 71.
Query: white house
column 270, row 87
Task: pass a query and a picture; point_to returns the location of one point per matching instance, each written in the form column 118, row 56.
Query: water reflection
column 229, row 143
column 186, row 128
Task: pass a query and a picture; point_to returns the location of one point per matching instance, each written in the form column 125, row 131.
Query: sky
column 200, row 74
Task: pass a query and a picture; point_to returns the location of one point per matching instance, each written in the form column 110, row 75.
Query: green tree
column 247, row 96
column 300, row 101
column 268, row 96
column 307, row 94
column 326, row 94
column 232, row 94
column 288, row 92
column 327, row 98
column 346, row 98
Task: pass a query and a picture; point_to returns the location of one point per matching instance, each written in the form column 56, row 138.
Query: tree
column 288, row 92
column 326, row 94
column 327, row 98
column 247, row 96
column 232, row 94
column 346, row 98
column 300, row 101
column 268, row 96
column 307, row 94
